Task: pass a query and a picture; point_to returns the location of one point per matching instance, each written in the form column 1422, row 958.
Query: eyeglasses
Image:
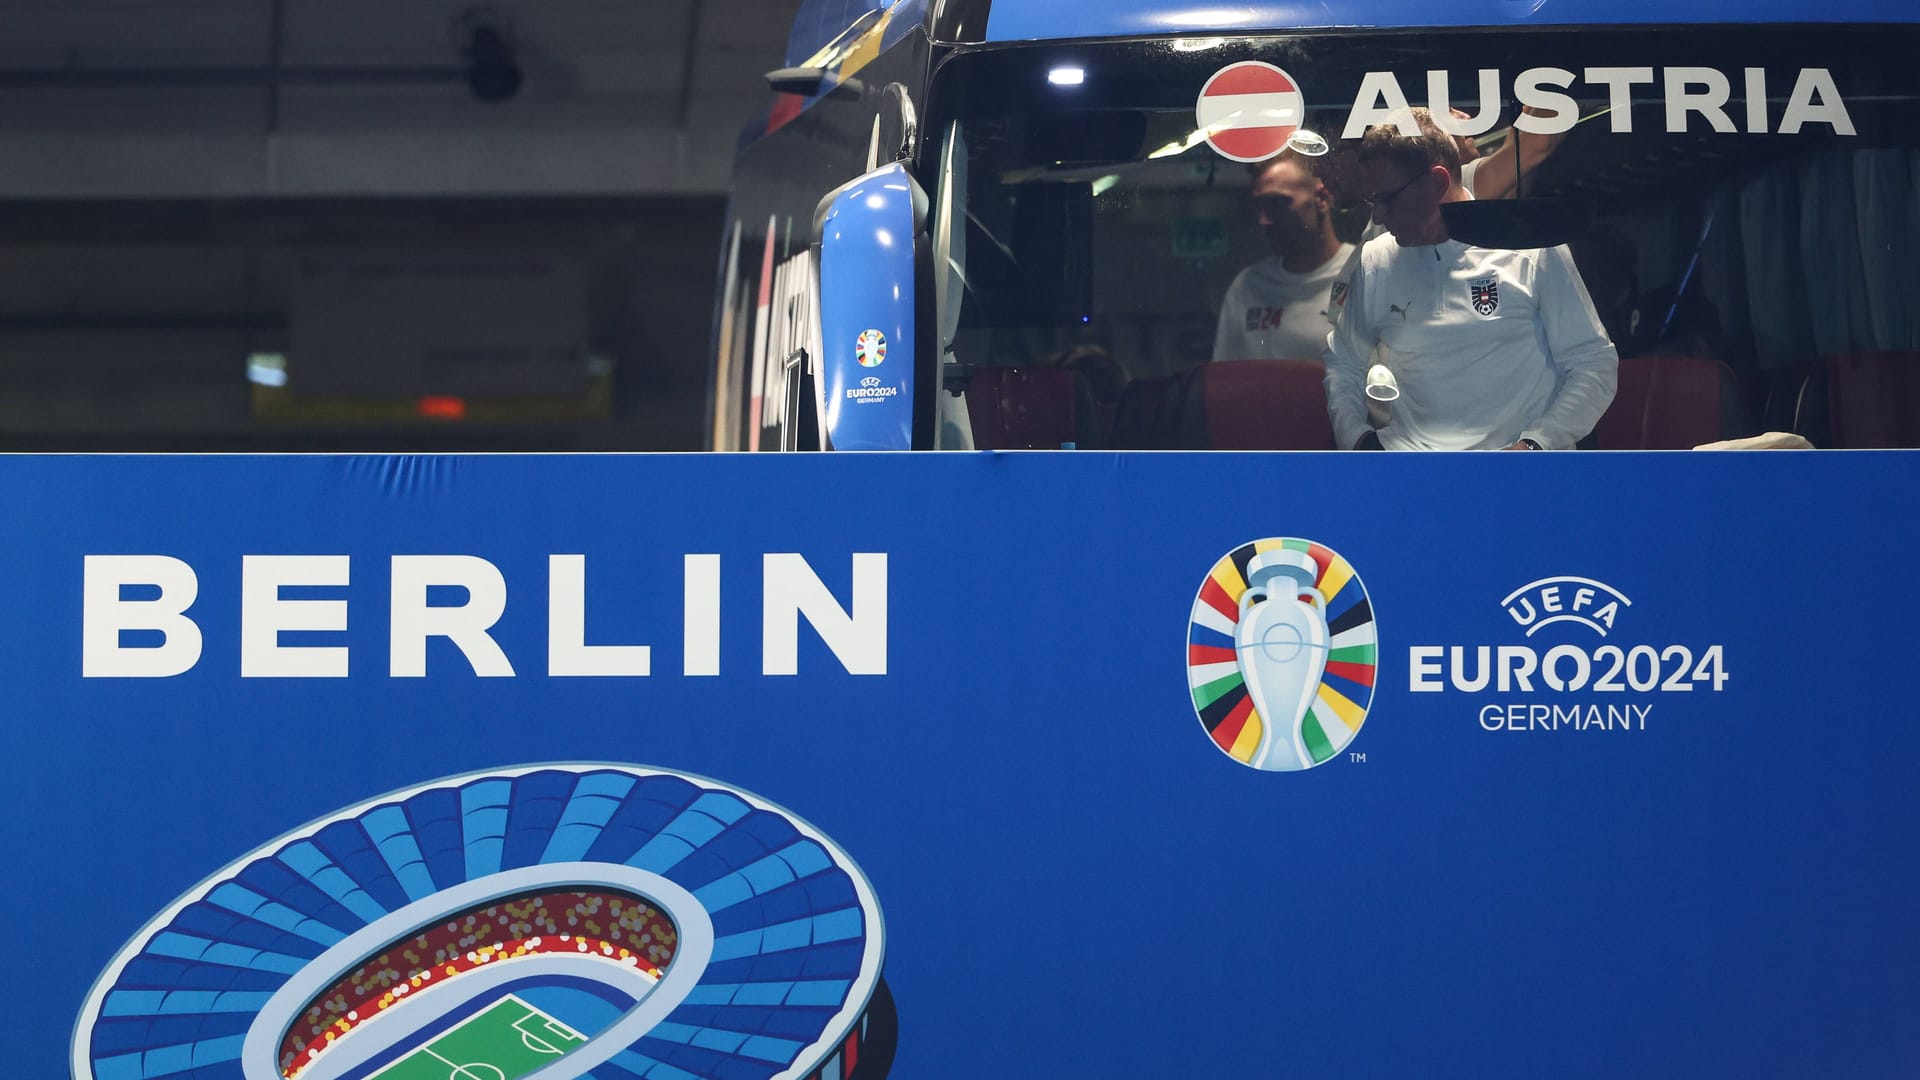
column 1386, row 198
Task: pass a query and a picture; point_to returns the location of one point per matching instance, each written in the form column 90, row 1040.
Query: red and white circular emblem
column 1249, row 110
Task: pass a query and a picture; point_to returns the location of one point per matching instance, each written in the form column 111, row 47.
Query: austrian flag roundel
column 1249, row 110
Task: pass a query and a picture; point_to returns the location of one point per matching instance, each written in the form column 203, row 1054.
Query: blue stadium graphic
column 767, row 944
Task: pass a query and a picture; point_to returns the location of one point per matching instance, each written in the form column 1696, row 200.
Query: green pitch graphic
column 504, row 1041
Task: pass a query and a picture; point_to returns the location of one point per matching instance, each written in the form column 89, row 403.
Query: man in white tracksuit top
column 1491, row 349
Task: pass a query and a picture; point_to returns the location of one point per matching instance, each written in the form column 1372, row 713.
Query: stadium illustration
column 562, row 920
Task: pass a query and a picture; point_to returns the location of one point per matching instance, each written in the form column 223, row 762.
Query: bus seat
column 1672, row 403
column 1873, row 399
column 1031, row 409
column 1256, row 405
column 1148, row 411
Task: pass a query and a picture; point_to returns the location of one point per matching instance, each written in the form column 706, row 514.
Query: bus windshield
column 1740, row 204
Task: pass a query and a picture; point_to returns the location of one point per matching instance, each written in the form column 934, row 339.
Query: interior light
column 1105, row 184
column 267, row 369
column 1067, row 76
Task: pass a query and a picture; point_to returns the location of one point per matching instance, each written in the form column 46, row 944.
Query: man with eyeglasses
column 1278, row 308
column 1491, row 349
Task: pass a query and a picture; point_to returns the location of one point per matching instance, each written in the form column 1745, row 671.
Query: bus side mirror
column 867, row 242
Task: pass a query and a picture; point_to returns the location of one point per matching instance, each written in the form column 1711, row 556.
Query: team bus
column 1014, row 223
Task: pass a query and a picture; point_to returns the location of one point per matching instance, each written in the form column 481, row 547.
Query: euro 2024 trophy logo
column 1281, row 654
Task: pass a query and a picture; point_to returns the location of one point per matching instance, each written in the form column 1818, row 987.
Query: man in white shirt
column 1278, row 308
column 1491, row 349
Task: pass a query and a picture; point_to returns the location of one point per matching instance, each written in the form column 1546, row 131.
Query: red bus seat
column 1031, row 409
column 1672, row 403
column 1873, row 399
column 1257, row 405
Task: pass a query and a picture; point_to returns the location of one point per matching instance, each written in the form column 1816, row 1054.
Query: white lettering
column 1801, row 108
column 1379, row 101
column 104, row 614
column 1709, row 102
column 1532, row 91
column 567, row 650
column 1607, row 614
column 1526, row 606
column 1486, row 112
column 700, row 619
column 1482, row 670
column 1582, row 667
column 858, row 638
column 1550, row 599
column 1619, row 82
column 1423, row 669
column 1516, row 663
column 1688, row 91
column 263, row 614
column 466, row 625
column 1757, row 101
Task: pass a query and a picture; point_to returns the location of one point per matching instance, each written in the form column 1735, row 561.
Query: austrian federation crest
column 1486, row 295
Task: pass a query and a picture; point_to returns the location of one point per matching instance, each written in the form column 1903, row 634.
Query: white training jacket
column 1488, row 346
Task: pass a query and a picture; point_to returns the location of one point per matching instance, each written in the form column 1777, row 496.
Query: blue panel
column 352, row 851
column 277, row 881
column 1735, row 820
column 653, row 803
column 216, row 923
column 393, row 838
column 483, row 821
column 770, row 1049
column 803, row 1024
column 149, row 970
column 309, row 882
column 825, row 992
column 725, row 1042
column 119, row 1035
column 721, row 807
column 1031, row 20
column 706, row 993
column 866, row 365
column 724, row 893
column 236, row 898
column 772, row 993
column 538, row 801
column 825, row 960
column 167, row 1060
column 435, row 818
column 780, row 937
column 594, row 801
column 660, row 854
column 121, row 1067
column 133, row 1003
column 211, row 1051
column 806, row 858
column 736, row 1068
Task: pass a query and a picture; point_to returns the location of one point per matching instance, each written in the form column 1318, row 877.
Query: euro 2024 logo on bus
column 1590, row 682
column 1281, row 654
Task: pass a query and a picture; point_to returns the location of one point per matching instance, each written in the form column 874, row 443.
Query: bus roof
column 1032, row 20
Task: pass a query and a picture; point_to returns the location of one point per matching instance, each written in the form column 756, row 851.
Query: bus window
column 1752, row 192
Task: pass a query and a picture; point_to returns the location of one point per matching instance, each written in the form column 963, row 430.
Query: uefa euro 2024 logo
column 1281, row 654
